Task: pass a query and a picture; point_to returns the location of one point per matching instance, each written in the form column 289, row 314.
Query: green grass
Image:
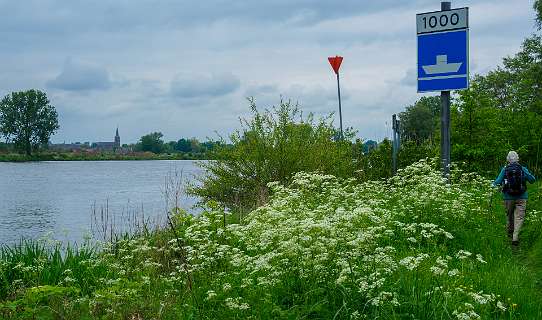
column 322, row 248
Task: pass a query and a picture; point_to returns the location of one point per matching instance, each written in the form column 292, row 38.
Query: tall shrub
column 273, row 145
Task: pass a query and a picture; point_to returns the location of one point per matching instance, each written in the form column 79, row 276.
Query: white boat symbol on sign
column 442, row 66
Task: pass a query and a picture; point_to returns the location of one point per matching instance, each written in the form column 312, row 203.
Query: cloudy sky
column 185, row 68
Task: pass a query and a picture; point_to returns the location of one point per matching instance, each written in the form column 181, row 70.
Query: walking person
column 513, row 178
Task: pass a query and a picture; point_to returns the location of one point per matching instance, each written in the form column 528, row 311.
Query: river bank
column 72, row 156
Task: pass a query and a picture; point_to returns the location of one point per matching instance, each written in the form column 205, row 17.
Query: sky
column 186, row 68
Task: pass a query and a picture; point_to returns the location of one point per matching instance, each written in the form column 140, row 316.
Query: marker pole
column 395, row 144
column 340, row 111
column 445, row 118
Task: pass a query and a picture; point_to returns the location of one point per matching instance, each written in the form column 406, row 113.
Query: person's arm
column 499, row 178
column 530, row 176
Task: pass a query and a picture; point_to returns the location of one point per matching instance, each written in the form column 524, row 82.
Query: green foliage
column 27, row 119
column 411, row 152
column 4, row 147
column 151, row 142
column 419, row 121
column 376, row 163
column 183, row 148
column 194, row 146
column 35, row 264
column 272, row 146
column 184, row 145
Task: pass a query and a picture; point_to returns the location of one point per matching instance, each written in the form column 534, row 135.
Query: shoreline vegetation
column 411, row 246
column 101, row 156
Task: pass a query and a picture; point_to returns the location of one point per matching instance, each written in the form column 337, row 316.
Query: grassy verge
column 322, row 248
column 531, row 251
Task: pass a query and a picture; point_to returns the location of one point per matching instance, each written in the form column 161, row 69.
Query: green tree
column 27, row 119
column 152, row 142
column 419, row 121
column 209, row 145
column 183, row 145
column 195, row 146
column 169, row 147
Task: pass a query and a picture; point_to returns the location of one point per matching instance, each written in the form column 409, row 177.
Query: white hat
column 512, row 157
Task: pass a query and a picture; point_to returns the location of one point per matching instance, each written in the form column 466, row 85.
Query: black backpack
column 514, row 180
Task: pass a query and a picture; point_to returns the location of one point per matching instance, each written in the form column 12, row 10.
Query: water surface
column 66, row 199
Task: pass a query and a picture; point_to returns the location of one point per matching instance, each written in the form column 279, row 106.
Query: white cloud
column 186, row 85
column 78, row 76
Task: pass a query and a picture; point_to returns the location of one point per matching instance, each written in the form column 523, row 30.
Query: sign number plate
column 442, row 20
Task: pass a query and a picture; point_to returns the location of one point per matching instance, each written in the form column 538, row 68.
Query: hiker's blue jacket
column 505, row 195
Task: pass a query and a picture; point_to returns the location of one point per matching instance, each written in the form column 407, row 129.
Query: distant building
column 108, row 146
column 87, row 146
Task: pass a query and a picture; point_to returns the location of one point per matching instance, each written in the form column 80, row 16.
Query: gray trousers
column 515, row 210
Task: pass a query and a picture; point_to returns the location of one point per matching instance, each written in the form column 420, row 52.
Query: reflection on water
column 66, row 198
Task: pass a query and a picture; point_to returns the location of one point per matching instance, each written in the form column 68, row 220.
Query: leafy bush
column 272, row 146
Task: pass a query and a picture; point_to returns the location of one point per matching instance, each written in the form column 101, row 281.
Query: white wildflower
column 412, row 239
column 453, row 273
column 437, row 271
column 210, row 294
column 412, row 263
column 462, row 254
column 480, row 258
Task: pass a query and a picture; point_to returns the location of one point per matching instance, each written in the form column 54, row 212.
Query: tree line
column 154, row 143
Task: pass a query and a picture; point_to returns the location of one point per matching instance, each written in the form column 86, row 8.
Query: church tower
column 117, row 139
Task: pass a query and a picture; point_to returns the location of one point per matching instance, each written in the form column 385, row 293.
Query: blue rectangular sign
column 443, row 61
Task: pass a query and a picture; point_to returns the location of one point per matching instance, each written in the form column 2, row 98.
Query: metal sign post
column 336, row 64
column 443, row 62
column 445, row 143
column 396, row 142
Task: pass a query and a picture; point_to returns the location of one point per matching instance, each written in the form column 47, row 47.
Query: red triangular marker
column 335, row 63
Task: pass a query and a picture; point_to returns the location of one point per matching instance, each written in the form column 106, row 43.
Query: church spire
column 117, row 138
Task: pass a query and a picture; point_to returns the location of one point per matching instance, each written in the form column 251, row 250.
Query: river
column 70, row 201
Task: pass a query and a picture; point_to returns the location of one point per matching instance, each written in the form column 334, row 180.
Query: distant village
column 183, row 145
column 102, row 146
